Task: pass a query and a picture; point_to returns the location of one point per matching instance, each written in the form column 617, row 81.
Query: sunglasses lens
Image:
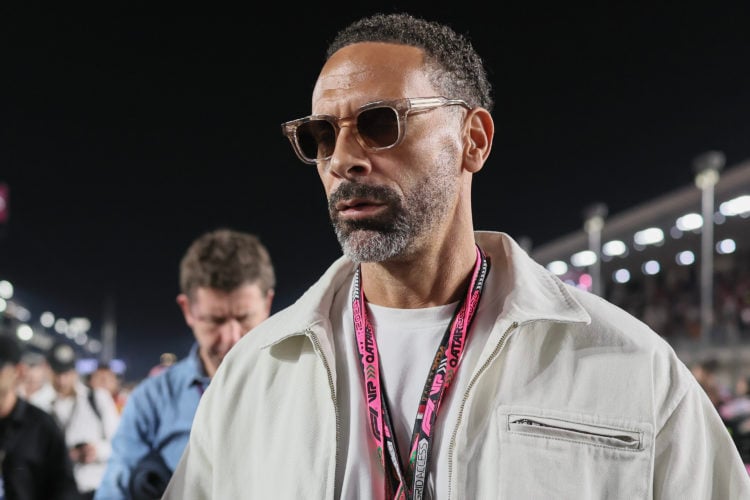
column 316, row 139
column 378, row 127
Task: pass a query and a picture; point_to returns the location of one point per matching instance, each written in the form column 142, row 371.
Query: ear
column 478, row 135
column 184, row 302
column 269, row 300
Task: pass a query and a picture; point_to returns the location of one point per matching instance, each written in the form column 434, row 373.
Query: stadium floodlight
column 685, row 258
column 689, row 222
column 649, row 236
column 621, row 276
column 583, row 258
column 726, row 246
column 47, row 319
column 614, row 248
column 6, row 290
column 24, row 332
column 651, row 267
column 736, row 206
column 61, row 325
column 557, row 267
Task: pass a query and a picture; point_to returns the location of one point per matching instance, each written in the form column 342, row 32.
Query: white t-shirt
column 407, row 340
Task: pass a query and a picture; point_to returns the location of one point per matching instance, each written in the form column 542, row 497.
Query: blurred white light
column 689, row 222
column 118, row 366
column 3, row 305
column 78, row 325
column 736, row 206
column 24, row 332
column 47, row 319
column 650, row 236
column 675, row 233
column 94, row 346
column 726, row 246
column 557, row 267
column 583, row 258
column 61, row 325
column 685, row 258
column 22, row 313
column 651, row 267
column 81, row 338
column 614, row 248
column 621, row 276
column 6, row 289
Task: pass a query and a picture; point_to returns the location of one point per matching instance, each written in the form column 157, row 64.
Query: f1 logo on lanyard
column 441, row 374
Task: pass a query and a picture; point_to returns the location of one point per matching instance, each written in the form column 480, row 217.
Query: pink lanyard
column 441, row 374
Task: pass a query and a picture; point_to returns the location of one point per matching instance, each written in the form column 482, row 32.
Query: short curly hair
column 456, row 67
column 225, row 259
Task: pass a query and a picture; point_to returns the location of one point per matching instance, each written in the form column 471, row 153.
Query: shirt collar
column 198, row 376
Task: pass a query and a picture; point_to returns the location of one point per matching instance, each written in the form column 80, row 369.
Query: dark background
column 126, row 133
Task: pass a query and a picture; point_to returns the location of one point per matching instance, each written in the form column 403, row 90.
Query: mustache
column 355, row 190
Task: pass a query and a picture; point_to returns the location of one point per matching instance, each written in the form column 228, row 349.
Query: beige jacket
column 572, row 398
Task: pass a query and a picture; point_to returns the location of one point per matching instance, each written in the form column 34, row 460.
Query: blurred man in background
column 104, row 377
column 33, row 455
column 35, row 376
column 227, row 285
column 87, row 417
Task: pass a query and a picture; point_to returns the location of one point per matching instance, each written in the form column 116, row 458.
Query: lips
column 358, row 207
column 359, row 203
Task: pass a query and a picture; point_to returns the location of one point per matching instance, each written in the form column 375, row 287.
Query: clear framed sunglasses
column 376, row 125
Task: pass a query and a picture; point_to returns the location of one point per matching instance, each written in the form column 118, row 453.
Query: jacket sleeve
column 193, row 477
column 695, row 456
column 130, row 443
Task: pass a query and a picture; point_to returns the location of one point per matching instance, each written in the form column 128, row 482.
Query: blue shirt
column 158, row 415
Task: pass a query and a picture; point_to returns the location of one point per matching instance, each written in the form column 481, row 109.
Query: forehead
column 364, row 72
column 245, row 296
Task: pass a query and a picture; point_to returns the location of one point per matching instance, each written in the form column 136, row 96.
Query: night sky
column 124, row 134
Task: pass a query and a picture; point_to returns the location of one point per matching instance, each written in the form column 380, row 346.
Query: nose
column 231, row 332
column 349, row 158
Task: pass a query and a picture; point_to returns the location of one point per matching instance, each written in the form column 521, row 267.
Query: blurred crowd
column 85, row 405
column 669, row 302
column 732, row 401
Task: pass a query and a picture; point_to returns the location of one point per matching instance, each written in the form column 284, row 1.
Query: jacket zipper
column 316, row 344
column 604, row 436
column 452, row 446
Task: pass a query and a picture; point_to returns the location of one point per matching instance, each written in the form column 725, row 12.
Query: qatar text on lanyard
column 441, row 374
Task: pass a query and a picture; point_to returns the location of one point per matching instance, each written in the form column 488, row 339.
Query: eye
column 378, row 127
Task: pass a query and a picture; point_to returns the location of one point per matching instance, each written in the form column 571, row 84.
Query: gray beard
column 392, row 233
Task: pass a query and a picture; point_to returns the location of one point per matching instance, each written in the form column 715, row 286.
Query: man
column 87, row 417
column 35, row 376
column 104, row 377
column 433, row 361
column 33, row 456
column 227, row 285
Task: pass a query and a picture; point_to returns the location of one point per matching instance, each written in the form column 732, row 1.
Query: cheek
column 205, row 337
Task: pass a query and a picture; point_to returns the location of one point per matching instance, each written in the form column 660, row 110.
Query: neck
column 427, row 278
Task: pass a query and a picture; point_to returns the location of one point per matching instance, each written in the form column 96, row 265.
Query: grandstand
column 648, row 261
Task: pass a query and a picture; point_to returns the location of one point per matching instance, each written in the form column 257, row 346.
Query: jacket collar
column 529, row 291
column 526, row 290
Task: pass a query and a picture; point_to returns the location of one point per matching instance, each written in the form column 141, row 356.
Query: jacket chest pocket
column 544, row 453
column 575, row 432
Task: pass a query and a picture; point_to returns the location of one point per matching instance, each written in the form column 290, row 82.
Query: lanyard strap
column 441, row 374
